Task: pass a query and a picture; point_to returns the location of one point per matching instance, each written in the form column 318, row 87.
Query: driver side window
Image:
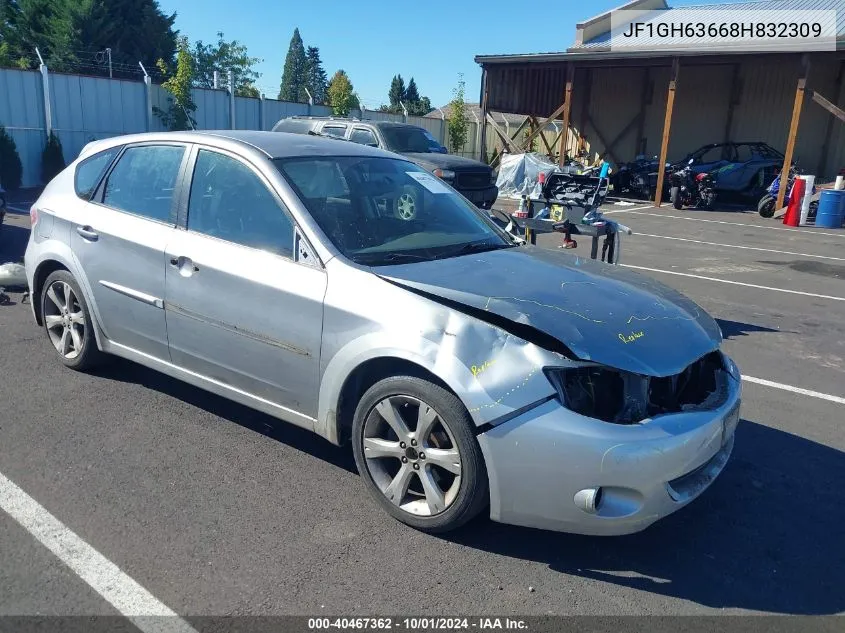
column 230, row 202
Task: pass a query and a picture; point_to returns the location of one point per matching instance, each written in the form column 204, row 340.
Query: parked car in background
column 471, row 178
column 741, row 170
column 467, row 371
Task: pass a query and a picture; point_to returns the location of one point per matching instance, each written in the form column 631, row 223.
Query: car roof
column 271, row 144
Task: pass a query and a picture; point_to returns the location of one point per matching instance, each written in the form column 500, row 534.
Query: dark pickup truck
column 472, row 178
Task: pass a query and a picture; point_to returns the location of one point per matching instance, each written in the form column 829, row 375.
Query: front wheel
column 766, row 206
column 675, row 197
column 417, row 454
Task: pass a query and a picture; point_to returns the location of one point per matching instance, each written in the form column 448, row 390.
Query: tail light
column 33, row 215
column 701, row 176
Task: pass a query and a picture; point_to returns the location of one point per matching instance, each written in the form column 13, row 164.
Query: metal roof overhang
column 532, row 84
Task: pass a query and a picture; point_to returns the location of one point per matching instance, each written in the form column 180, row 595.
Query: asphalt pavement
column 214, row 509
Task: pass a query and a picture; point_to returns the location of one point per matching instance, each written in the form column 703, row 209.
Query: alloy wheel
column 64, row 319
column 406, row 206
column 412, row 455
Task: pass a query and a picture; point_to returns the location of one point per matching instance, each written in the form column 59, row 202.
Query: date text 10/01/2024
column 415, row 624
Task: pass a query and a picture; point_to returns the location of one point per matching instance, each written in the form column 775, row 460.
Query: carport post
column 567, row 112
column 483, row 134
column 667, row 126
column 793, row 129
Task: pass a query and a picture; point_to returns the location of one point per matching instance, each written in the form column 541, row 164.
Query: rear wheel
column 417, row 454
column 68, row 322
column 709, row 201
column 675, row 197
column 766, row 206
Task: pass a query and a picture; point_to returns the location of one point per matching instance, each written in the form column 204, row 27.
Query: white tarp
column 518, row 174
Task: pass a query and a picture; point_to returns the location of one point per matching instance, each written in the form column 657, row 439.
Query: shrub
column 11, row 170
column 52, row 159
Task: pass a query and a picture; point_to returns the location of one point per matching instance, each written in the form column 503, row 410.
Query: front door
column 119, row 238
column 240, row 310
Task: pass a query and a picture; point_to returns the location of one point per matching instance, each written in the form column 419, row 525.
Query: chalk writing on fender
column 477, row 369
column 632, row 337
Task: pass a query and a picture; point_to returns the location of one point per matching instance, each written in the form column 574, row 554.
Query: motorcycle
column 688, row 189
column 637, row 178
column 766, row 204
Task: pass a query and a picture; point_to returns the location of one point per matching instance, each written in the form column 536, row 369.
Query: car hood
column 601, row 313
column 446, row 161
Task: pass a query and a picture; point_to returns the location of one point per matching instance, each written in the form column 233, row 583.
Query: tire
column 766, row 206
column 675, row 197
column 72, row 329
column 390, row 463
column 406, row 205
column 710, row 201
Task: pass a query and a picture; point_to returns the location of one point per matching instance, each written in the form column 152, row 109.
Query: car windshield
column 408, row 139
column 380, row 211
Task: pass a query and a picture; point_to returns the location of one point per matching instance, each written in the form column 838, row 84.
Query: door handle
column 185, row 265
column 87, row 232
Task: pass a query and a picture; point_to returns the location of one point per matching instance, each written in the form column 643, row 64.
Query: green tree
column 316, row 79
column 73, row 34
column 293, row 76
column 11, row 169
column 396, row 94
column 52, row 159
column 458, row 125
column 416, row 105
column 179, row 115
column 341, row 94
column 223, row 57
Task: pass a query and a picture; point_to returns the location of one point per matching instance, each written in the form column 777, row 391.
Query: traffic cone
column 796, row 196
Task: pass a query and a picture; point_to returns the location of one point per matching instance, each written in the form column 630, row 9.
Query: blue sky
column 372, row 41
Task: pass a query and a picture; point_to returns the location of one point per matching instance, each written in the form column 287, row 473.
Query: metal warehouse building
column 619, row 103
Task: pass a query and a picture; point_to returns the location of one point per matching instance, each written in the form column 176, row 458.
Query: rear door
column 119, row 238
column 240, row 309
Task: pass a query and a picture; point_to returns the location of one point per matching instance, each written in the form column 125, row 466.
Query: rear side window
column 90, row 170
column 363, row 136
column 335, row 130
column 144, row 181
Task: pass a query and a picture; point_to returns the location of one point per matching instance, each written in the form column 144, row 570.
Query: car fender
column 495, row 375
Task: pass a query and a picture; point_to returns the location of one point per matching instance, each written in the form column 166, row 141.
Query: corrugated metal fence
column 84, row 108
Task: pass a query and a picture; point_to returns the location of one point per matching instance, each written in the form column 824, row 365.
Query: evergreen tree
column 293, row 77
column 316, row 79
column 412, row 95
column 396, row 94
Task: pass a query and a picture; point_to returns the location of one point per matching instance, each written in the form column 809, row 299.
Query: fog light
column 589, row 499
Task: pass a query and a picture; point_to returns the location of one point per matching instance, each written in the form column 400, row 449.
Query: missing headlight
column 621, row 397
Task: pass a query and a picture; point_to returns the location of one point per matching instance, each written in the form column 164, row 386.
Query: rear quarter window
column 90, row 171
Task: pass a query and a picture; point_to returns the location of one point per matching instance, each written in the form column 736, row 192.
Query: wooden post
column 828, row 131
column 644, row 101
column 484, row 92
column 667, row 126
column 733, row 99
column 793, row 129
column 585, row 110
column 567, row 111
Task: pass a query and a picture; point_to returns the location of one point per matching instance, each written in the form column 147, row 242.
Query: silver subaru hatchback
column 348, row 291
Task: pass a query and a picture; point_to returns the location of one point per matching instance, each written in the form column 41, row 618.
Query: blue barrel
column 831, row 211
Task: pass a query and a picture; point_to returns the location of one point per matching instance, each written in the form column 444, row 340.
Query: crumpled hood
column 602, row 313
column 446, row 161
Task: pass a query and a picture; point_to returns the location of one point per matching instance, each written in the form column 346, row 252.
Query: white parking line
column 133, row 601
column 627, row 210
column 751, row 226
column 799, row 390
column 748, row 248
column 735, row 283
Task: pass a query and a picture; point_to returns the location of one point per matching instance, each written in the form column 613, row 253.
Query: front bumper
column 483, row 198
column 538, row 462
